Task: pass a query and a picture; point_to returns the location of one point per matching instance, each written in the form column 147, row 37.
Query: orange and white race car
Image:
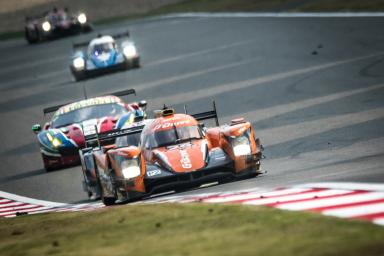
column 172, row 152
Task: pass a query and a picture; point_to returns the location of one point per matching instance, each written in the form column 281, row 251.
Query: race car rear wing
column 86, row 43
column 117, row 94
column 97, row 139
column 206, row 115
column 40, row 16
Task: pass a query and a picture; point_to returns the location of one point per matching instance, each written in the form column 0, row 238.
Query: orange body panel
column 129, row 153
column 184, row 157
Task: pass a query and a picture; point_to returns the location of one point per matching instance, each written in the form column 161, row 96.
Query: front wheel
column 31, row 36
column 79, row 75
column 108, row 201
column 47, row 167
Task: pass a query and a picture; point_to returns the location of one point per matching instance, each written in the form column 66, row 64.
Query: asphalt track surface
column 312, row 87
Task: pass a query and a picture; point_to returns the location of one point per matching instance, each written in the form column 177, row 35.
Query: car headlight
column 56, row 142
column 130, row 168
column 82, row 18
column 46, row 26
column 241, row 146
column 78, row 63
column 130, row 51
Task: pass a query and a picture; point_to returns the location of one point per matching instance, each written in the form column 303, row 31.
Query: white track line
column 328, row 202
column 30, row 200
column 345, row 185
column 274, row 15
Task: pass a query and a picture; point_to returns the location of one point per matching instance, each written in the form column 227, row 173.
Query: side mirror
column 143, row 104
column 36, row 128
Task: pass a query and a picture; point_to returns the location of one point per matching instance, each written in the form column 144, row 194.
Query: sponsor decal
column 170, row 124
column 185, row 161
column 87, row 103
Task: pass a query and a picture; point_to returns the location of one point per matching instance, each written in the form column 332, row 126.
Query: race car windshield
column 86, row 113
column 62, row 17
column 129, row 140
column 100, row 48
column 173, row 136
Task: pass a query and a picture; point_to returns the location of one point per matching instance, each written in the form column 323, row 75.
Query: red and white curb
column 345, row 200
column 13, row 205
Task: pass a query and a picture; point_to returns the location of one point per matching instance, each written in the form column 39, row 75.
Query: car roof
column 88, row 102
column 101, row 40
column 167, row 122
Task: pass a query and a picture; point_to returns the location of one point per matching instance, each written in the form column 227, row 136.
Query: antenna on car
column 185, row 109
column 97, row 138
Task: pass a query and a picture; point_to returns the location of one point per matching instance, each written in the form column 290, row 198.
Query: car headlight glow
column 56, row 142
column 130, row 168
column 82, row 18
column 242, row 150
column 130, row 51
column 49, row 136
column 131, row 172
column 46, row 26
column 78, row 63
column 241, row 146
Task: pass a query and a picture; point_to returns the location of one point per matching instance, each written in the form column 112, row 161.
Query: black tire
column 136, row 63
column 108, row 201
column 47, row 167
column 86, row 28
column 29, row 36
column 79, row 76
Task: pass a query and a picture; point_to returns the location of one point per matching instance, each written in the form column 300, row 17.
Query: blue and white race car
column 104, row 54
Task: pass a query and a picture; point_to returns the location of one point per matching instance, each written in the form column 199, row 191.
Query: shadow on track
column 23, row 175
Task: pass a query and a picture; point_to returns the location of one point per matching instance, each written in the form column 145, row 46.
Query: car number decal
column 185, row 161
column 153, row 173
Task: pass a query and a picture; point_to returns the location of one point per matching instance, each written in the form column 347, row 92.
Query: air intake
column 168, row 112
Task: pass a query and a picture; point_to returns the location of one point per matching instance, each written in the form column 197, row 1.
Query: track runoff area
column 344, row 200
column 363, row 201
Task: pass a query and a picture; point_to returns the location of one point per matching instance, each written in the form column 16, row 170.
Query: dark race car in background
column 90, row 183
column 54, row 24
column 61, row 138
column 104, row 54
column 175, row 152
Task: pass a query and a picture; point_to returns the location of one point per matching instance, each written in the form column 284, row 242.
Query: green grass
column 188, row 229
column 11, row 35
